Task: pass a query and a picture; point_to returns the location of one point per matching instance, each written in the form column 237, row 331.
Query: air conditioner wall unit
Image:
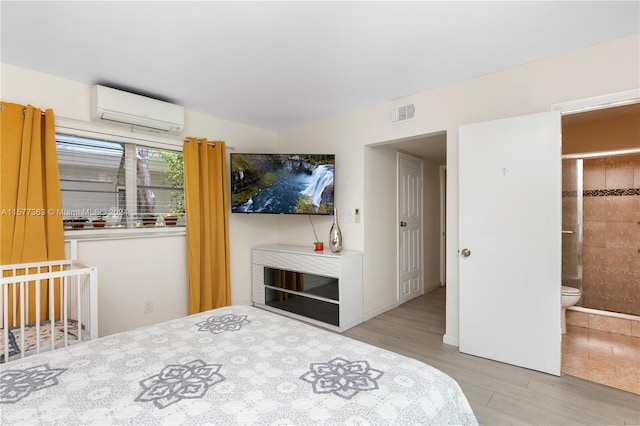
column 135, row 111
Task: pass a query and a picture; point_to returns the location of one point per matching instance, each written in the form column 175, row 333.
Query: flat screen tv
column 282, row 183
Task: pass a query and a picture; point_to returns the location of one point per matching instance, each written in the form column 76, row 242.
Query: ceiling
column 276, row 65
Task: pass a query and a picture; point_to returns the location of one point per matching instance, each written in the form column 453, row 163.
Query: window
column 127, row 185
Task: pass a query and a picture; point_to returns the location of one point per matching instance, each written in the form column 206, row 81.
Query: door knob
column 465, row 253
column 403, row 224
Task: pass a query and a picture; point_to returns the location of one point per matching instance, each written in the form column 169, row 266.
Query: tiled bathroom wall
column 611, row 247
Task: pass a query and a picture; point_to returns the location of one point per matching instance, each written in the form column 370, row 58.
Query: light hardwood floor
column 500, row 394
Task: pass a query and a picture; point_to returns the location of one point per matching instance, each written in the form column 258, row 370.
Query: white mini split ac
column 135, row 111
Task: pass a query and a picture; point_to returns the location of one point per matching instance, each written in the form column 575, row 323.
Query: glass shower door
column 572, row 226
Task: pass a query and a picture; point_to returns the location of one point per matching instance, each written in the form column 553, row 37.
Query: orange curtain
column 207, row 218
column 31, row 227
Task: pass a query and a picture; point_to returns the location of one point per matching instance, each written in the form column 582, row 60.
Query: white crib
column 45, row 306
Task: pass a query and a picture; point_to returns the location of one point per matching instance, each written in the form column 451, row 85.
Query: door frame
column 443, row 225
column 598, row 102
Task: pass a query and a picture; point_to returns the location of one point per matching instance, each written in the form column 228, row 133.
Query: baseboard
column 431, row 287
column 450, row 340
column 381, row 310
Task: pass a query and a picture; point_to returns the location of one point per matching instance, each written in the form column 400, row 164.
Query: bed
column 233, row 365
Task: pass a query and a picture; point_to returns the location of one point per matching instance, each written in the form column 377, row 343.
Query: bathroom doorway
column 601, row 245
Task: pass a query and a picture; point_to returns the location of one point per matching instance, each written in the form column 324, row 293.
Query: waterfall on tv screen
column 320, row 178
column 286, row 187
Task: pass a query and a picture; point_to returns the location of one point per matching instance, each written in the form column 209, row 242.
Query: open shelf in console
column 305, row 294
column 320, row 287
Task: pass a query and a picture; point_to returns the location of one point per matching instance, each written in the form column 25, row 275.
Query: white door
column 510, row 240
column 411, row 282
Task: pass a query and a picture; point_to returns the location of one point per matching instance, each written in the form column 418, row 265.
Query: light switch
column 348, row 218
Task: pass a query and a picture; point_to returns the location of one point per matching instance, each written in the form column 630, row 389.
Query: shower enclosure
column 601, row 230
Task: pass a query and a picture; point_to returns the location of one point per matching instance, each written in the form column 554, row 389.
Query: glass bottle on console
column 335, row 236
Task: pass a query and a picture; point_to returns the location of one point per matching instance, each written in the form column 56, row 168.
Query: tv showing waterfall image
column 282, row 183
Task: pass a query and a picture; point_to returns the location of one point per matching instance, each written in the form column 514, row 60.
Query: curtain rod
column 199, row 141
column 213, row 144
column 24, row 111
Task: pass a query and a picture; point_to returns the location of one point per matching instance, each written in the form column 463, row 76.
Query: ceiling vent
column 402, row 113
column 135, row 111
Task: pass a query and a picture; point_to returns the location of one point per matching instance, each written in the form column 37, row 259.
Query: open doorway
column 600, row 211
column 380, row 240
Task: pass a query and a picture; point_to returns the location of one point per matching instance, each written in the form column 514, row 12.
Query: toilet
column 569, row 297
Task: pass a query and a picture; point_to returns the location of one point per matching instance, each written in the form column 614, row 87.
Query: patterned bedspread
column 233, row 365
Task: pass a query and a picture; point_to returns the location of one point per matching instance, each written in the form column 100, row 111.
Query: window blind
column 119, row 182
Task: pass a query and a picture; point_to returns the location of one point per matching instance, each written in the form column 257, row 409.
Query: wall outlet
column 148, row 306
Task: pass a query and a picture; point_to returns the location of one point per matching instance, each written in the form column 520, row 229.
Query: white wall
column 133, row 270
column 380, row 242
column 148, row 268
column 605, row 68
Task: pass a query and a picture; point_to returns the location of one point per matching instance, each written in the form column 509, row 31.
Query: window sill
column 122, row 234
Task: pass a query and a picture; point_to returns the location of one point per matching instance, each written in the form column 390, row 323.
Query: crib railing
column 36, row 295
